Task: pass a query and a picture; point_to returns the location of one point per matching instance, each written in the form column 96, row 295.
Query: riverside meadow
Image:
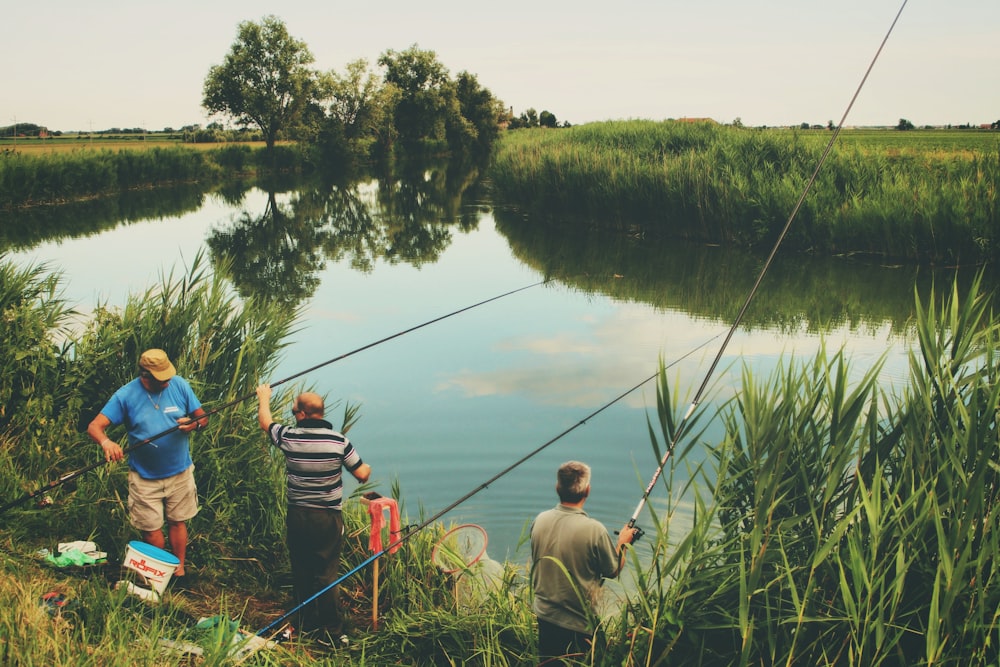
column 835, row 523
column 933, row 200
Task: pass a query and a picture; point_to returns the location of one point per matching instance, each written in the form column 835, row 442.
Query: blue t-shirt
column 146, row 414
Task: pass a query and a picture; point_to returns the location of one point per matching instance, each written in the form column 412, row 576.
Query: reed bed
column 839, row 525
column 28, row 179
column 738, row 186
column 834, row 524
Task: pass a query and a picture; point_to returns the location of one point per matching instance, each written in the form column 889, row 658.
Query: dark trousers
column 555, row 641
column 315, row 538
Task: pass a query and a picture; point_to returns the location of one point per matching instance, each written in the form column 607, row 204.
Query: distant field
column 32, row 145
column 918, row 141
column 923, row 140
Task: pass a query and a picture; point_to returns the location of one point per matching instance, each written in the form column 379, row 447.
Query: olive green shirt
column 583, row 546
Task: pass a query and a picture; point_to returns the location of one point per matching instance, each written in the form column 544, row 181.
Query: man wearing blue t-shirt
column 161, row 473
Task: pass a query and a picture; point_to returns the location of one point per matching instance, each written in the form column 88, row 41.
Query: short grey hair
column 572, row 481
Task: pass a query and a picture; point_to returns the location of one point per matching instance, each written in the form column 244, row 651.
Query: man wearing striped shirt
column 315, row 457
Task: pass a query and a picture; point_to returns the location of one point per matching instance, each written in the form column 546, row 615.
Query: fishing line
column 416, row 529
column 760, row 277
column 77, row 473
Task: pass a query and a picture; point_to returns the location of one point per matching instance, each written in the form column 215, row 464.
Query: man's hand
column 186, row 424
column 627, row 535
column 112, row 450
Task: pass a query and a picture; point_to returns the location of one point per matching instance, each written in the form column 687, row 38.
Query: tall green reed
column 737, row 186
column 224, row 347
column 839, row 524
column 59, row 177
column 51, row 178
column 34, row 320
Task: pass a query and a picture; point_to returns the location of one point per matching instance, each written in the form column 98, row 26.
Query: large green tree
column 265, row 80
column 423, row 94
column 355, row 99
column 361, row 116
column 480, row 110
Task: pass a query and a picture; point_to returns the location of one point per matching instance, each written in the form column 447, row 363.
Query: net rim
column 465, row 526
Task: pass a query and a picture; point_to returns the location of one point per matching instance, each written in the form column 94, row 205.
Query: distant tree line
column 411, row 105
column 24, row 130
column 903, row 125
column 531, row 118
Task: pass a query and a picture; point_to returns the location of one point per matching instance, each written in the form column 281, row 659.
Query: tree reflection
column 25, row 228
column 802, row 292
column 273, row 256
column 279, row 253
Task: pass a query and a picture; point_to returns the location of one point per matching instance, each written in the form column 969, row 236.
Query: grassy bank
column 30, row 178
column 834, row 524
column 930, row 202
column 58, row 371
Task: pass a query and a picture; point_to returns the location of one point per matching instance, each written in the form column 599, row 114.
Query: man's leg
column 145, row 506
column 328, row 552
column 178, row 533
column 154, row 537
column 180, row 505
column 555, row 641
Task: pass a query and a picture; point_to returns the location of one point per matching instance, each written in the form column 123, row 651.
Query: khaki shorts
column 150, row 499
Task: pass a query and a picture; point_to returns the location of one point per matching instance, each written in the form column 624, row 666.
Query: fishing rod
column 760, row 277
column 416, row 529
column 77, row 473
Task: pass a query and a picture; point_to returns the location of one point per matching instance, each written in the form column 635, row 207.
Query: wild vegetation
column 737, row 186
column 63, row 176
column 833, row 524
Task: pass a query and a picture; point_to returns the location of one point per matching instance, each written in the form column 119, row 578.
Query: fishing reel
column 639, row 532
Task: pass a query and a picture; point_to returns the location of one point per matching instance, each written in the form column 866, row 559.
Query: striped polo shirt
column 315, row 456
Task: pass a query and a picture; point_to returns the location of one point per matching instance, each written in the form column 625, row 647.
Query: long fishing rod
column 416, row 529
column 760, row 277
column 688, row 413
column 77, row 473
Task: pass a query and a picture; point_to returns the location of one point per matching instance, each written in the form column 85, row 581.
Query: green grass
column 958, row 141
column 738, row 186
column 54, row 177
column 845, row 526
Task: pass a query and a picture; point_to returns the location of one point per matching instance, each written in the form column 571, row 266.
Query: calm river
column 450, row 405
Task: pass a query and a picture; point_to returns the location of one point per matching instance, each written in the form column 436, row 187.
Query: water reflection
column 799, row 293
column 273, row 255
column 279, row 252
column 28, row 227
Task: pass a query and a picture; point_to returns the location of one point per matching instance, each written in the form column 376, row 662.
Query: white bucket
column 154, row 565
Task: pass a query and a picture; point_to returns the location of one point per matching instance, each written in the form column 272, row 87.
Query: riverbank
column 926, row 196
column 238, row 563
column 57, row 173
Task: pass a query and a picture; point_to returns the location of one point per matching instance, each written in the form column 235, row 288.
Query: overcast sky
column 72, row 65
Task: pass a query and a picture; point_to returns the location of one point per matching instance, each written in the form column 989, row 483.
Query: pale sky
column 72, row 65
